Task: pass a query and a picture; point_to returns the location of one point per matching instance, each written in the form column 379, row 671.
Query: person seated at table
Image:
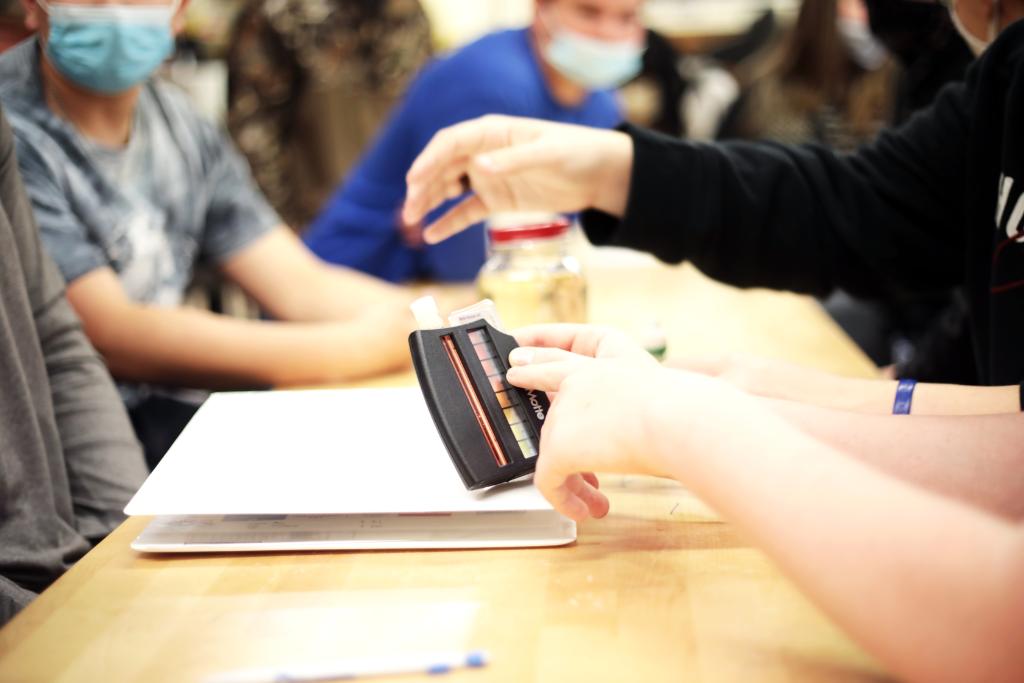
column 131, row 189
column 936, row 203
column 560, row 69
column 69, row 462
column 908, row 532
column 309, row 84
column 829, row 81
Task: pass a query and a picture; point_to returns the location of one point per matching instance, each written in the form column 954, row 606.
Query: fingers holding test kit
column 603, row 382
column 516, row 164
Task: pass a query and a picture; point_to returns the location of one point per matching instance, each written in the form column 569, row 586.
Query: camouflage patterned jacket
column 310, row 82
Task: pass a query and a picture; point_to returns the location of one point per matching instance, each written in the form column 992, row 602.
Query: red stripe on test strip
column 474, row 401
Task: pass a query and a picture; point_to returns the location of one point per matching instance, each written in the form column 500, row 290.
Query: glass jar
column 531, row 276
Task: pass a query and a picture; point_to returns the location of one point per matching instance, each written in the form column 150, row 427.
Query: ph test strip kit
column 490, row 428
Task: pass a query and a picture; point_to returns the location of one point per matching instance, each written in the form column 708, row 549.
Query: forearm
column 792, row 382
column 876, row 396
column 952, row 399
column 291, row 283
column 344, row 294
column 189, row 347
column 977, row 459
column 902, row 569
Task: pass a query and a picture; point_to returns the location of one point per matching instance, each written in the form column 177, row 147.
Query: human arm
column 940, row 454
column 190, row 347
column 516, row 164
column 791, row 382
column 291, row 283
column 103, row 459
column 901, row 568
column 798, row 218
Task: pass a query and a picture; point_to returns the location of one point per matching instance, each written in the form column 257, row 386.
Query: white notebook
column 331, row 469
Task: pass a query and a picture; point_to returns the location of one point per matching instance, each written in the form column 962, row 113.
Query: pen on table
column 434, row 664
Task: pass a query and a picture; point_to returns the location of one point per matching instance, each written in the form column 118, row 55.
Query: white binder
column 327, row 469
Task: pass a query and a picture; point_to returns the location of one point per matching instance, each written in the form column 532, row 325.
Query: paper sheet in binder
column 330, row 469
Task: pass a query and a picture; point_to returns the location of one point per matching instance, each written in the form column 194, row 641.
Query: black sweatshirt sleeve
column 805, row 218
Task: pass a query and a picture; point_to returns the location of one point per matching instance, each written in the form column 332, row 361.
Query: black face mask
column 909, row 29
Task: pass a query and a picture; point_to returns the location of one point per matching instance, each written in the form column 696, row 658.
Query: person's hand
column 572, row 343
column 516, row 164
column 411, row 233
column 602, row 382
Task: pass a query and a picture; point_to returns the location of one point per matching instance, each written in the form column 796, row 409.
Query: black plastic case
column 436, row 356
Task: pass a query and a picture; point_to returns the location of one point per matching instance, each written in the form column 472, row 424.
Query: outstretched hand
column 516, row 164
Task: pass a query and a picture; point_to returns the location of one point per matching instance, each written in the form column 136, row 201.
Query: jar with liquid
column 531, row 276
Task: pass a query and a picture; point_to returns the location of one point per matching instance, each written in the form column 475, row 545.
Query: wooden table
column 661, row 590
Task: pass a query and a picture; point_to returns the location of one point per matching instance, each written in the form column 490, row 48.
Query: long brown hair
column 814, row 67
column 814, row 56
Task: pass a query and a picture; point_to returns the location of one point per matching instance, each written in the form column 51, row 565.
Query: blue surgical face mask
column 594, row 64
column 108, row 48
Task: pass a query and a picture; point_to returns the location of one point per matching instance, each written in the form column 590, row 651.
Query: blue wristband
column 904, row 397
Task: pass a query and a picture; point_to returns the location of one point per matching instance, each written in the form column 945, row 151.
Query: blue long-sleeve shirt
column 498, row 74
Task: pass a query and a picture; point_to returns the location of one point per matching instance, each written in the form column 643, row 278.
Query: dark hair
column 661, row 66
column 814, row 55
column 816, row 68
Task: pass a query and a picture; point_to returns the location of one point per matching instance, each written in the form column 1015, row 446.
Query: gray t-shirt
column 178, row 191
column 69, row 461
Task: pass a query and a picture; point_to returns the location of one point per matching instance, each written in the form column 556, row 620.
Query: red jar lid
column 537, row 231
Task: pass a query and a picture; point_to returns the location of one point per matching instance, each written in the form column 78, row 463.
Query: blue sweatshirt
column 498, row 74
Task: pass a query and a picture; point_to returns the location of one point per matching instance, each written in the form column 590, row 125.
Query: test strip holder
column 490, row 428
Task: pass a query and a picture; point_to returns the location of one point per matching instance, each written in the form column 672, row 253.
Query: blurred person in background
column 847, row 69
column 560, row 68
column 69, row 462
column 310, row 83
column 921, row 37
column 654, row 99
column 678, row 95
column 830, row 81
column 131, row 189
